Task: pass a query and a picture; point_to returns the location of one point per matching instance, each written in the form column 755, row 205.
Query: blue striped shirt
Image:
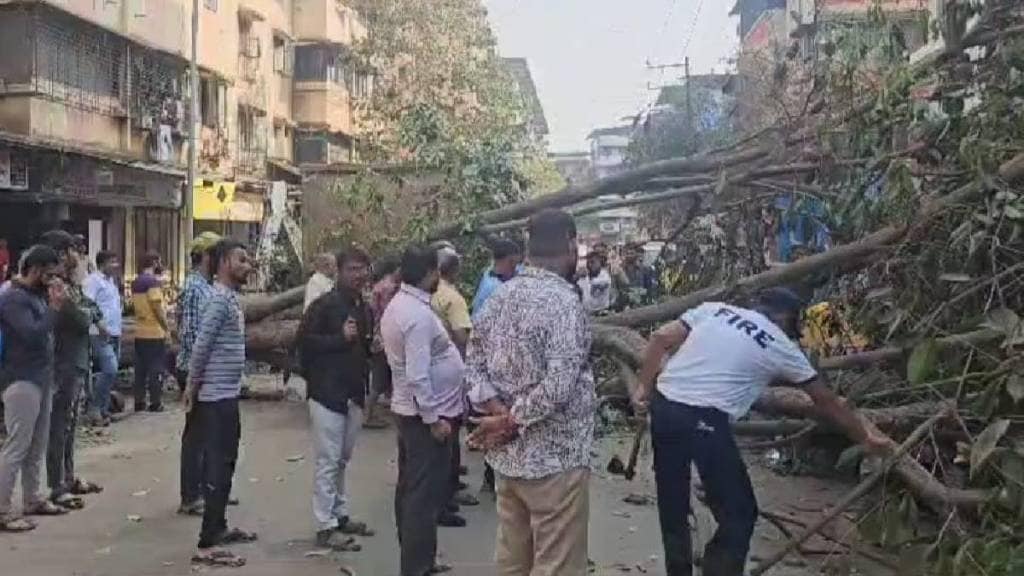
column 218, row 353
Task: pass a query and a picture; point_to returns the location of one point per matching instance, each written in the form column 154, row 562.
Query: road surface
column 131, row 529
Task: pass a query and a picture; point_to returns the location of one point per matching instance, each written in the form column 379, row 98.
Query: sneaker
column 450, row 520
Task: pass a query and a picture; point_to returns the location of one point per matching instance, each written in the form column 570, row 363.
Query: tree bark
column 622, row 183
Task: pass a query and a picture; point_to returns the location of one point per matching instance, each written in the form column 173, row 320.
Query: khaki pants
column 542, row 525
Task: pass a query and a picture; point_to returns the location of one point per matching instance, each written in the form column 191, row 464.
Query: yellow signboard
column 218, row 201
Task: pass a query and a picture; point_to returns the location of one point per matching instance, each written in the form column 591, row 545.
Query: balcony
column 326, row 21
column 322, row 105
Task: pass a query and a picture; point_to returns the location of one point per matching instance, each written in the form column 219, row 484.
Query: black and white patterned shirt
column 530, row 348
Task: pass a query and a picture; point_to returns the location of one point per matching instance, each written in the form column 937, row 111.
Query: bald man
column 322, row 280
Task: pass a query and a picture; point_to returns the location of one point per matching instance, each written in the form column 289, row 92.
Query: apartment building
column 95, row 115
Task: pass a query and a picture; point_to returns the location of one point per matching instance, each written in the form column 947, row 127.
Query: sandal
column 192, row 509
column 81, row 487
column 45, row 508
column 354, row 528
column 15, row 525
column 68, row 501
column 237, row 536
column 218, row 558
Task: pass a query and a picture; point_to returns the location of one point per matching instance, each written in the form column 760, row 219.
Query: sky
column 588, row 57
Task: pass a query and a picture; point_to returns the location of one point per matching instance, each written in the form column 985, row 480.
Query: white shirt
column 729, row 357
column 318, row 285
column 597, row 291
column 104, row 292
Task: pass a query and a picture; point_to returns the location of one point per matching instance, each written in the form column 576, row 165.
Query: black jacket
column 336, row 370
column 27, row 326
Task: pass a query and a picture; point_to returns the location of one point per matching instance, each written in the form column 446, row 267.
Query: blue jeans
column 682, row 435
column 106, row 353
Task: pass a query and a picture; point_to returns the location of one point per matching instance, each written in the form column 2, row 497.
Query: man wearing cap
column 720, row 359
column 197, row 291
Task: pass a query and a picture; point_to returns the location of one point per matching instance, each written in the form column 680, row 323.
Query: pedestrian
column 507, row 258
column 697, row 396
column 5, row 259
column 596, row 284
column 26, row 379
column 528, row 367
column 637, row 281
column 102, row 287
column 451, row 308
column 386, row 283
column 322, row 281
column 214, row 386
column 197, row 291
column 428, row 394
column 334, row 340
column 150, row 334
column 71, row 326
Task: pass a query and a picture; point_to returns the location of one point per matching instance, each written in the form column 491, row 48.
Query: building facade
column 95, row 116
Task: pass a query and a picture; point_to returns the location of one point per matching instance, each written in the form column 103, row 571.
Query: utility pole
column 689, row 98
column 188, row 199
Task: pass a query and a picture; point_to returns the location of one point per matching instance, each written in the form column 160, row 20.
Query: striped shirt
column 218, row 353
column 194, row 295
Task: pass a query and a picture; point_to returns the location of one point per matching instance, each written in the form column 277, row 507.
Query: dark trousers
column 150, row 356
column 683, row 434
column 191, row 455
column 221, row 430
column 453, row 476
column 60, row 449
column 424, row 468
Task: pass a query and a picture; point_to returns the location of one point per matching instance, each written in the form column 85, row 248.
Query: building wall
column 323, row 104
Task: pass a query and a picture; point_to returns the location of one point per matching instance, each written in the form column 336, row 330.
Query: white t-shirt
column 729, row 357
column 597, row 291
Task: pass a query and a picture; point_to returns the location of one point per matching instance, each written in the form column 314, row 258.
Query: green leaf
column 922, row 362
column 1003, row 320
column 1012, row 212
column 1015, row 387
column 850, row 458
column 985, row 444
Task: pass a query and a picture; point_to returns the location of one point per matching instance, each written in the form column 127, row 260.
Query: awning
column 222, row 202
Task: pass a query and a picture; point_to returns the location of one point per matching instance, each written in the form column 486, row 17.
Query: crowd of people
column 513, row 369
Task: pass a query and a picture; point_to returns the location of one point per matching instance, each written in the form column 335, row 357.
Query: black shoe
column 462, row 485
column 449, row 520
column 463, row 470
column 232, row 501
column 156, row 408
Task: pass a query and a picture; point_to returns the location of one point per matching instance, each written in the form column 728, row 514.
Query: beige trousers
column 542, row 525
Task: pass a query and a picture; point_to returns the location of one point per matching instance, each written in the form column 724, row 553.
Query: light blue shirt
column 102, row 290
column 488, row 284
column 218, row 353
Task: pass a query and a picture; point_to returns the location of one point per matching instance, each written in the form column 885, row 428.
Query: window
column 284, row 56
column 321, row 63
column 212, row 102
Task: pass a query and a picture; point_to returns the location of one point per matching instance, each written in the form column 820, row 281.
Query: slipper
column 45, row 508
column 81, row 487
column 237, row 536
column 69, row 502
column 15, row 525
column 192, row 509
column 219, row 558
column 439, row 569
column 346, row 526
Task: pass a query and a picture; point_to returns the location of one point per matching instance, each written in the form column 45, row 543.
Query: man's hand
column 878, row 444
column 441, row 430
column 351, row 329
column 58, row 293
column 188, row 397
column 492, row 431
column 641, row 401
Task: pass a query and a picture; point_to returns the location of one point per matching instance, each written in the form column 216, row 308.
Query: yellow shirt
column 148, row 298
column 451, row 307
